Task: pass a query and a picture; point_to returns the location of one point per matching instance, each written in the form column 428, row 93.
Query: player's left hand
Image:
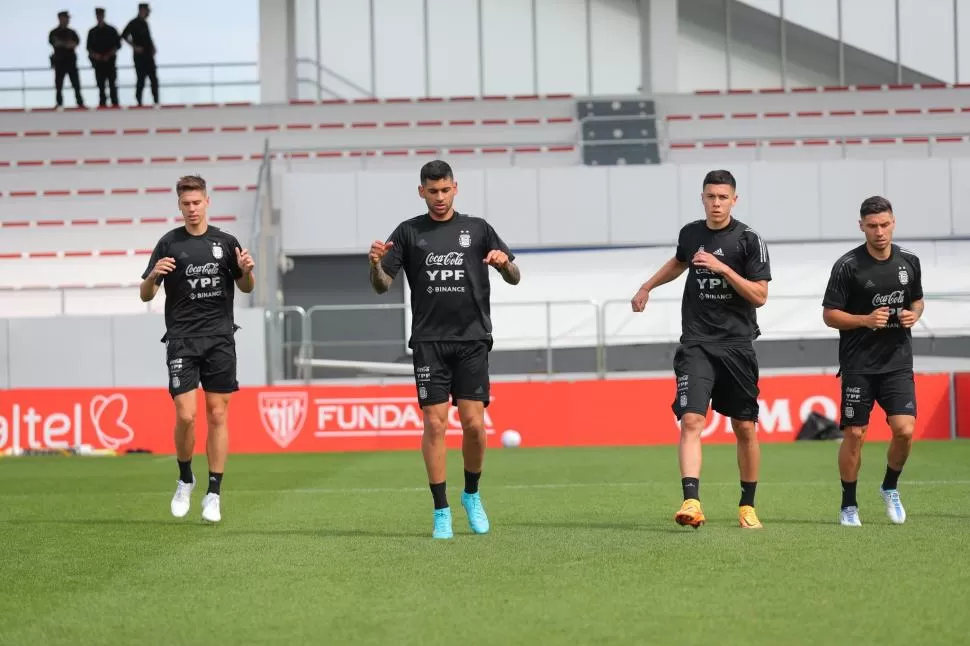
column 709, row 262
column 907, row 318
column 497, row 259
column 245, row 260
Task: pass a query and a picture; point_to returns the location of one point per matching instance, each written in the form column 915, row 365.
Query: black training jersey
column 860, row 284
column 711, row 310
column 445, row 268
column 199, row 292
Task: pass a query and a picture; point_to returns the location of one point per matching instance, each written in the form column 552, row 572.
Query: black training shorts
column 455, row 369
column 722, row 377
column 209, row 360
column 895, row 392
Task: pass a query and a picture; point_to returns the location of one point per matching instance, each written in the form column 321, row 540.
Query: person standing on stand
column 103, row 45
column 139, row 36
column 65, row 40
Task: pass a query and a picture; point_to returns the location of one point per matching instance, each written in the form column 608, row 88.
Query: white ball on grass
column 511, row 438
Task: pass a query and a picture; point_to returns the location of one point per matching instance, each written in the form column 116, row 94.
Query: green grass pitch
column 336, row 549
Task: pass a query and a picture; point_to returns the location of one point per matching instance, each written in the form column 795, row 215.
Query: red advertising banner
column 962, row 395
column 353, row 418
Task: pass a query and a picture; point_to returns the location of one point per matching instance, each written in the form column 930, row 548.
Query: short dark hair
column 720, row 177
column 873, row 205
column 190, row 183
column 435, row 170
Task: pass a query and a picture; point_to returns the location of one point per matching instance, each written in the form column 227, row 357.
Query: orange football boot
column 690, row 513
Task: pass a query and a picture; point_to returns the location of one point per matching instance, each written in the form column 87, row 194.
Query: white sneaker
column 210, row 508
column 894, row 508
column 849, row 517
column 182, row 499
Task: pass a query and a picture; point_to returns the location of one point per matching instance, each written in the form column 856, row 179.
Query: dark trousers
column 106, row 73
column 60, row 71
column 145, row 68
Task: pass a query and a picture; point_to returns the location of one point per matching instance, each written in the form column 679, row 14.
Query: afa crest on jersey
column 464, row 239
column 216, row 251
column 903, row 276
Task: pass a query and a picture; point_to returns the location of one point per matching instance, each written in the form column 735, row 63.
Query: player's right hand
column 877, row 319
column 378, row 250
column 640, row 299
column 163, row 266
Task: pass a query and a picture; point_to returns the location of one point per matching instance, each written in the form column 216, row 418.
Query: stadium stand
column 83, row 193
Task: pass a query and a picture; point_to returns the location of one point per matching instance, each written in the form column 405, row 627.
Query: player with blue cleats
column 447, row 258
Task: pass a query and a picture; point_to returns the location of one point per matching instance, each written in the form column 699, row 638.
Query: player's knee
column 436, row 420
column 473, row 426
column 185, row 417
column 857, row 433
column 903, row 430
column 216, row 416
column 744, row 430
column 692, row 424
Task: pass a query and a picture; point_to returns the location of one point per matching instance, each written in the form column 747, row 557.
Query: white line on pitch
column 556, row 485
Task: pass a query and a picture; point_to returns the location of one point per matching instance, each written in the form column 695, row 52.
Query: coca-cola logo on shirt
column 208, row 269
column 450, row 259
column 893, row 298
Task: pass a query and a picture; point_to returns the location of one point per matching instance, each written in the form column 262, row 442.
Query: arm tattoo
column 379, row 279
column 918, row 307
column 511, row 273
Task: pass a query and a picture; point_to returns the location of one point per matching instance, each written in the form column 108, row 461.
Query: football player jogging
column 197, row 263
column 446, row 256
column 874, row 297
column 715, row 365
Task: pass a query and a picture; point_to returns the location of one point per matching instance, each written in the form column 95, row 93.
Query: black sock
column 439, row 493
column 747, row 493
column 215, row 483
column 185, row 470
column 848, row 494
column 891, row 479
column 471, row 481
column 692, row 488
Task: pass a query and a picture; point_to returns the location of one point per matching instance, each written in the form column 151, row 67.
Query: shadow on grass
column 229, row 529
column 612, row 527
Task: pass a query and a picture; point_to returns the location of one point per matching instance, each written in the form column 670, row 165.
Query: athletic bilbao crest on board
column 903, row 276
column 216, row 251
column 283, row 415
column 465, row 239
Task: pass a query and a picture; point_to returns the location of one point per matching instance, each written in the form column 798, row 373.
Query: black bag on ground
column 819, row 427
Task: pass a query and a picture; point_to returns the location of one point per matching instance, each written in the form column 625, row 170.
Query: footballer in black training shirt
column 874, row 297
column 446, row 256
column 728, row 271
column 198, row 263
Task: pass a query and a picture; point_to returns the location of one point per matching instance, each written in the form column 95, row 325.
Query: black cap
column 99, row 11
column 143, row 5
column 63, row 14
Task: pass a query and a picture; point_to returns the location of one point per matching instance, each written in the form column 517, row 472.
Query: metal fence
column 597, row 327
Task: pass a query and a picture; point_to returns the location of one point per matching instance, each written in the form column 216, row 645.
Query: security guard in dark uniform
column 103, row 45
column 139, row 36
column 65, row 41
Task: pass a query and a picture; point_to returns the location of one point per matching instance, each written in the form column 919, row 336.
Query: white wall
column 586, row 206
column 926, row 29
column 433, row 47
column 702, row 64
column 482, row 47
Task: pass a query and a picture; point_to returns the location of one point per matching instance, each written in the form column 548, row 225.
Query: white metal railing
column 589, row 324
column 218, row 82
